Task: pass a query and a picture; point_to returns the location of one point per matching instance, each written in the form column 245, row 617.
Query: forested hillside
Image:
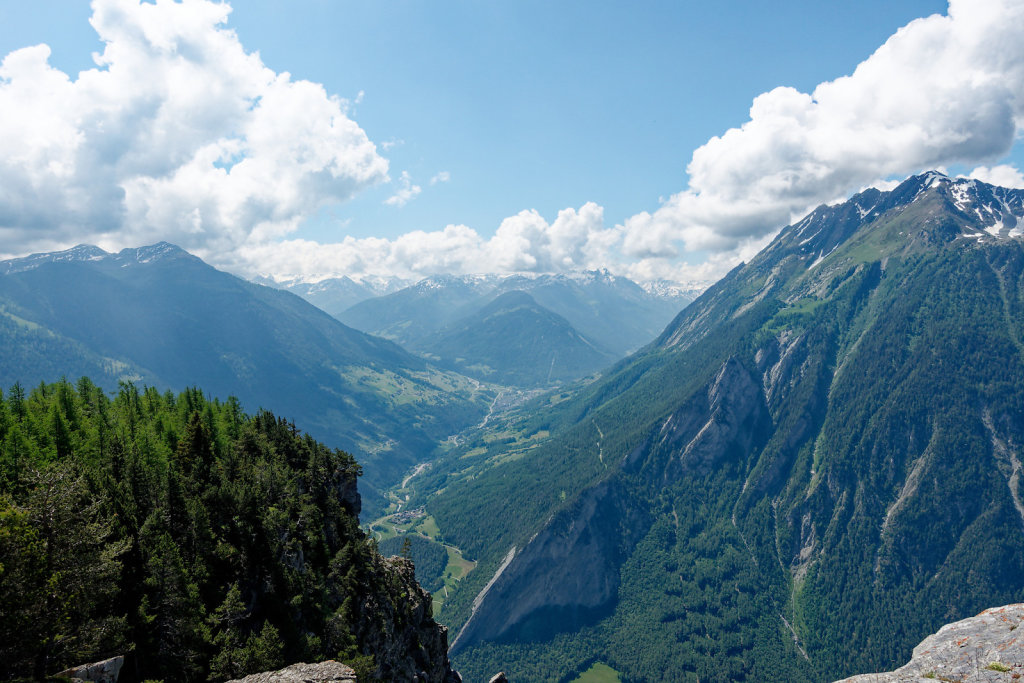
column 162, row 316
column 198, row 540
column 817, row 464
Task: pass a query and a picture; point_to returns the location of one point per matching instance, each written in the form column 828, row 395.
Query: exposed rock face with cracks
column 988, row 647
column 324, row 672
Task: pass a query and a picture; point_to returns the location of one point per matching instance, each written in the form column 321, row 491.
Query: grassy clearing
column 21, row 322
column 383, row 529
column 506, row 436
column 428, row 527
column 509, row 456
column 794, row 315
column 398, row 389
column 599, row 673
column 458, row 566
column 506, row 446
column 457, row 569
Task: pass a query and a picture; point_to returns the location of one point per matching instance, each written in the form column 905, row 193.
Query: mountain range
column 513, row 340
column 613, row 311
column 582, row 321
column 815, row 465
column 160, row 316
column 602, row 317
column 811, row 467
column 335, row 295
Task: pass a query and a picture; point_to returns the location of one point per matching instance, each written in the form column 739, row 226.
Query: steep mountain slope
column 814, row 466
column 614, row 312
column 163, row 316
column 513, row 340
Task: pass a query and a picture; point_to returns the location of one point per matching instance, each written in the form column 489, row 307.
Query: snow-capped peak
column 81, row 252
column 151, row 253
column 670, row 289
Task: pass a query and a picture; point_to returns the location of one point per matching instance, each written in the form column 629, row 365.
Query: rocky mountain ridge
column 821, row 446
column 91, row 253
column 335, row 295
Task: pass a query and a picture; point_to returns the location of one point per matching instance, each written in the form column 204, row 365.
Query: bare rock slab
column 324, row 672
column 106, row 671
column 988, row 647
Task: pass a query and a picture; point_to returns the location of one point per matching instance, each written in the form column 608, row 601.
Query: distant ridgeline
column 161, row 316
column 202, row 542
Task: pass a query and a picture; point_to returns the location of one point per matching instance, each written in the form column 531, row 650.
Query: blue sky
column 546, row 105
column 523, row 106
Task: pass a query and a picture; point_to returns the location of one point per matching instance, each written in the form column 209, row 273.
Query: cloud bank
column 945, row 89
column 526, row 242
column 179, row 134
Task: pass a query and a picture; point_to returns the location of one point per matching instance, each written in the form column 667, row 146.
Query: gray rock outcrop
column 567, row 575
column 106, row 671
column 406, row 642
column 567, row 571
column 988, row 647
column 324, row 672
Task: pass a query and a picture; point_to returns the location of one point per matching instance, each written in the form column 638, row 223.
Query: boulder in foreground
column 324, row 672
column 988, row 647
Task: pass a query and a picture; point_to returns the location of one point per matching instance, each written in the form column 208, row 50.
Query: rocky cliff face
column 722, row 422
column 564, row 576
column 988, row 647
column 407, row 644
column 568, row 573
column 824, row 450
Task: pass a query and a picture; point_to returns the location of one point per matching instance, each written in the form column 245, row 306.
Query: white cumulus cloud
column 180, row 134
column 576, row 239
column 1002, row 175
column 177, row 134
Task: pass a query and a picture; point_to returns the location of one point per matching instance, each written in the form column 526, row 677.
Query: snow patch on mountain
column 82, row 252
column 667, row 289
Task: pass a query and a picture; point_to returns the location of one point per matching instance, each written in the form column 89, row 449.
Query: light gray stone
column 106, row 671
column 988, row 647
column 324, row 672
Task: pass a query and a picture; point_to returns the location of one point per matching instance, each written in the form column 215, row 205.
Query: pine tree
column 172, row 608
column 227, row 621
column 265, row 650
column 63, row 571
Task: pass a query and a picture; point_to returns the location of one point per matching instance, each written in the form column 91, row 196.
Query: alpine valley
column 159, row 316
column 567, row 326
column 814, row 466
column 162, row 317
